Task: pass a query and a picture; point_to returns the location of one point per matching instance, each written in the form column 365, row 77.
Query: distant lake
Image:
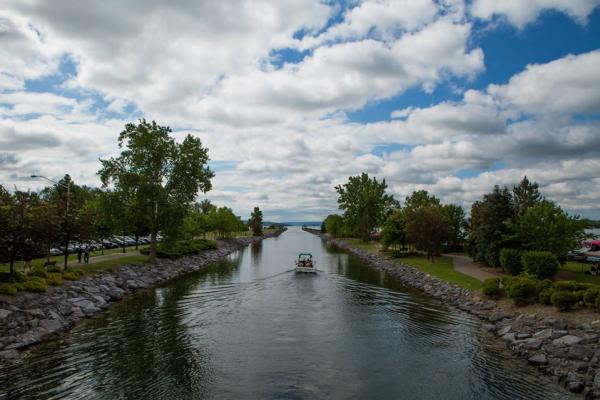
column 595, row 232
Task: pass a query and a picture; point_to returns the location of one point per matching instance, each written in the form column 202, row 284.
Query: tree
column 393, row 233
column 419, row 199
column 255, row 221
column 457, row 223
column 365, row 203
column 163, row 176
column 489, row 228
column 46, row 220
column 334, row 225
column 526, row 195
column 546, row 227
column 428, row 229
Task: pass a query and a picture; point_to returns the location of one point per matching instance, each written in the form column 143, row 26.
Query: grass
column 373, row 247
column 576, row 271
column 442, row 268
column 111, row 265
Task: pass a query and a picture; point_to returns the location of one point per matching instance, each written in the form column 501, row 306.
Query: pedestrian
column 79, row 253
column 86, row 255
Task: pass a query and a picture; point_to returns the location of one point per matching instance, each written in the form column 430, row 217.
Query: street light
column 68, row 186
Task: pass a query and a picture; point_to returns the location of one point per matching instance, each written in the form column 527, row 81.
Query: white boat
column 305, row 263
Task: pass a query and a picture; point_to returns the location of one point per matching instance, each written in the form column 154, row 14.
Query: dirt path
column 465, row 265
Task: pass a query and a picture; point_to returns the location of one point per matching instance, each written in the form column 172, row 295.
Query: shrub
column 510, row 260
column 38, row 272
column 522, row 290
column 54, row 268
column 564, row 300
column 541, row 264
column 36, row 284
column 71, row 276
column 545, row 296
column 8, row 288
column 20, row 286
column 590, row 296
column 182, row 248
column 491, row 288
column 54, row 279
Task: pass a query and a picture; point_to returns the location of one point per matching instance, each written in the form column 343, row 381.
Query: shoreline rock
column 31, row 318
column 567, row 351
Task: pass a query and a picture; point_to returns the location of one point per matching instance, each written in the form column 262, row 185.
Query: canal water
column 250, row 328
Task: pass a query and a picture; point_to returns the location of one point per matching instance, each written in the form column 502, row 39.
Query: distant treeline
column 592, row 224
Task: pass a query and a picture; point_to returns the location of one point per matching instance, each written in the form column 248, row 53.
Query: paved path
column 95, row 259
column 465, row 265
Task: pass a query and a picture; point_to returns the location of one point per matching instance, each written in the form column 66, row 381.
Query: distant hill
column 294, row 223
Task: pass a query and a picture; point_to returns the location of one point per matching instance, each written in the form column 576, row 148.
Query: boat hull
column 306, row 270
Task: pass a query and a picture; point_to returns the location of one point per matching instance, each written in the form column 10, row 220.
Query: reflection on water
column 248, row 327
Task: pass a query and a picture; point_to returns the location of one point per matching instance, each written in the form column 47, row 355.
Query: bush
column 522, row 290
column 8, row 288
column 38, row 272
column 20, row 286
column 491, row 288
column 545, row 296
column 71, row 276
column 541, row 264
column 564, row 300
column 590, row 296
column 36, row 284
column 182, row 248
column 54, row 279
column 54, row 268
column 510, row 260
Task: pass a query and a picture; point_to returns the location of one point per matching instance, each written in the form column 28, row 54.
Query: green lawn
column 442, row 268
column 109, row 265
column 576, row 271
column 369, row 246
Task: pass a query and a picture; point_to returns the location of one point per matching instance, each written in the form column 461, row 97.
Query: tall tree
column 419, row 199
column 455, row 215
column 525, row 195
column 394, row 233
column 428, row 229
column 334, row 225
column 365, row 203
column 162, row 175
column 256, row 221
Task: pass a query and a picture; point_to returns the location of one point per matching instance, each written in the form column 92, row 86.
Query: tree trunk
column 136, row 240
column 102, row 246
column 153, row 247
column 12, row 266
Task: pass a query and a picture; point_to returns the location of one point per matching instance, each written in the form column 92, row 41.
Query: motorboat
column 305, row 263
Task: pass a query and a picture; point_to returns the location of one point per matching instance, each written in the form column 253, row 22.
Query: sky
column 294, row 96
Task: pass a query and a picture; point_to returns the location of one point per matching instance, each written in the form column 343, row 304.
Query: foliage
column 419, row 199
column 510, row 260
column 256, row 221
column 545, row 226
column 161, row 176
column 522, row 289
column 563, row 300
column 545, row 296
column 334, row 225
column 541, row 264
column 525, row 195
column 177, row 249
column 488, row 230
column 428, row 229
column 38, row 271
column 393, row 233
column 8, row 289
column 36, row 284
column 54, row 279
column 71, row 276
column 491, row 288
column 590, row 296
column 457, row 224
column 365, row 204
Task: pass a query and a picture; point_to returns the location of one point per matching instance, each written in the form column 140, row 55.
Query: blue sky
column 448, row 96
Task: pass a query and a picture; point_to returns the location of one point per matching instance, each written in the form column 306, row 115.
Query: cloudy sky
column 293, row 96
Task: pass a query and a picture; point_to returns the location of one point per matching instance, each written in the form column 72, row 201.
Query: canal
column 249, row 327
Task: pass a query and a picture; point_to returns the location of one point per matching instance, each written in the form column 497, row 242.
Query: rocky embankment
column 29, row 318
column 569, row 352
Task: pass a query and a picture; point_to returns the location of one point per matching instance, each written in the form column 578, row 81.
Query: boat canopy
column 304, row 256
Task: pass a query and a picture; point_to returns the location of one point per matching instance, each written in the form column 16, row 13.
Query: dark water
column 249, row 328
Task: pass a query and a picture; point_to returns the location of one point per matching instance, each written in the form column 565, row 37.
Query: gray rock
column 36, row 312
column 509, row 337
column 497, row 316
column 504, row 330
column 4, row 313
column 576, row 386
column 50, row 325
column 538, row 359
column 9, row 354
column 533, row 344
column 567, row 340
column 597, row 380
column 543, row 334
column 579, row 352
column 521, row 336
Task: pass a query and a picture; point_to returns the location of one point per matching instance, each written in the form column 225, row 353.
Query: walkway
column 465, row 265
column 106, row 257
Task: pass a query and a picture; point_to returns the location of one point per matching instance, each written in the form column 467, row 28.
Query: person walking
column 79, row 253
column 86, row 255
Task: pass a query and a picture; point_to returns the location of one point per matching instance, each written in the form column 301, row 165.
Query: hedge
column 510, row 261
column 541, row 264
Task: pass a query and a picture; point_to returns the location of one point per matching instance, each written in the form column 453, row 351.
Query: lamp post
column 68, row 186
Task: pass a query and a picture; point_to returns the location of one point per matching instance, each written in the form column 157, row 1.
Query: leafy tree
column 393, row 233
column 255, row 221
column 225, row 222
column 365, row 203
column 546, row 227
column 334, row 225
column 163, row 176
column 457, row 223
column 489, row 231
column 526, row 195
column 46, row 220
column 205, row 206
column 428, row 229
column 419, row 199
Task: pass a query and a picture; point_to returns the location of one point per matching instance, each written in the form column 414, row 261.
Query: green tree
column 365, row 203
column 525, row 195
column 489, row 226
column 255, row 222
column 428, row 229
column 393, row 233
column 419, row 199
column 546, row 227
column 455, row 215
column 334, row 225
column 162, row 175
